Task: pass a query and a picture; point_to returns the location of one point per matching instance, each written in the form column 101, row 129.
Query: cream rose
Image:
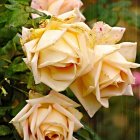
column 111, row 74
column 52, row 117
column 56, row 7
column 58, row 53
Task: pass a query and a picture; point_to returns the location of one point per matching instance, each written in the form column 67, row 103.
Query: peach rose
column 58, row 53
column 52, row 117
column 111, row 74
column 56, row 7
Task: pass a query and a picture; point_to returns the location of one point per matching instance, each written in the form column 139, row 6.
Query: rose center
column 52, row 137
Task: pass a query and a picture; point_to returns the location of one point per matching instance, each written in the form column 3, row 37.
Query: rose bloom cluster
column 64, row 52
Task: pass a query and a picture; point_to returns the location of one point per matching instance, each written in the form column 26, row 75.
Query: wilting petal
column 104, row 34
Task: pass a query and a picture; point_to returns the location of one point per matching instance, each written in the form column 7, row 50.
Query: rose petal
column 26, row 115
column 20, row 114
column 76, row 113
column 112, row 90
column 54, row 8
column 128, row 50
column 25, row 130
column 69, row 115
column 42, row 114
column 54, row 97
column 32, row 122
column 48, row 38
column 89, row 102
column 48, row 80
column 128, row 91
column 72, row 16
column 35, row 70
column 40, row 135
column 28, row 48
column 117, row 60
column 71, row 128
column 104, row 101
column 104, row 34
column 25, row 34
column 50, row 57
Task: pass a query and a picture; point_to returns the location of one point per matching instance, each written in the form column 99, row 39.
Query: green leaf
column 19, row 18
column 18, row 108
column 103, row 1
column 4, row 130
column 40, row 88
column 3, row 110
column 91, row 12
column 108, row 17
column 3, row 1
column 86, row 133
column 4, row 14
column 23, row 2
column 120, row 4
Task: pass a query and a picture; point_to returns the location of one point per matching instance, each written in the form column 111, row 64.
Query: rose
column 56, row 7
column 58, row 53
column 52, row 117
column 111, row 74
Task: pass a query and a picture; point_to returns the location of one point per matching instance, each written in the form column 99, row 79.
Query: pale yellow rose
column 56, row 7
column 111, row 74
column 58, row 53
column 52, row 117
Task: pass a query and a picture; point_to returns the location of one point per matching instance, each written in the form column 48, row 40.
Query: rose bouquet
column 63, row 53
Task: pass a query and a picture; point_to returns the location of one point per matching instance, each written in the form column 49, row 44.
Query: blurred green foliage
column 121, row 121
column 111, row 12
